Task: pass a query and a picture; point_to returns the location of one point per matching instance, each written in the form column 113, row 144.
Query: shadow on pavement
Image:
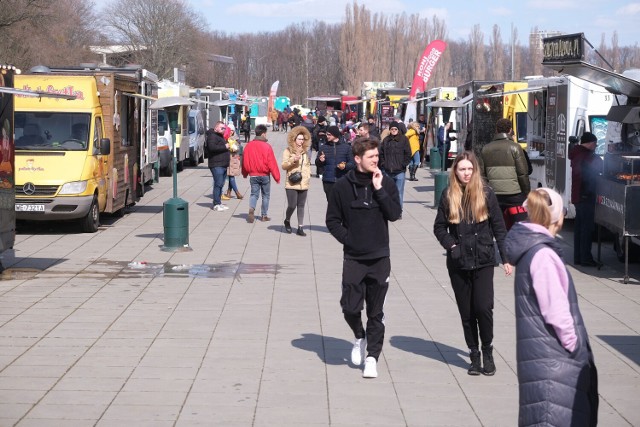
column 332, row 351
column 431, row 349
column 627, row 345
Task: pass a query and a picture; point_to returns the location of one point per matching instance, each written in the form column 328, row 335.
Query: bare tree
column 158, row 31
column 31, row 38
column 496, row 57
column 478, row 61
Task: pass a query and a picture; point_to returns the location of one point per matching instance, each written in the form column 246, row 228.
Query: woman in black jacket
column 467, row 222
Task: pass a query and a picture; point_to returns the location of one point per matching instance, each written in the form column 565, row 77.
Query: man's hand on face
column 376, row 180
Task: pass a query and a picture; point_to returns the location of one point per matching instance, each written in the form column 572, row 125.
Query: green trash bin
column 435, row 161
column 176, row 223
column 441, row 182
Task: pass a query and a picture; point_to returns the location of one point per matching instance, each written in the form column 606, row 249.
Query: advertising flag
column 427, row 63
column 272, row 94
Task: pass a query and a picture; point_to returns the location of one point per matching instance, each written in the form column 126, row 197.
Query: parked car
column 196, row 129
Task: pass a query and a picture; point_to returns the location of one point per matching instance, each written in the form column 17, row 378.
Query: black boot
column 487, row 360
column 413, row 173
column 475, row 368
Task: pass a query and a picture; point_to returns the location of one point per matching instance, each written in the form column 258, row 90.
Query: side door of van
column 101, row 170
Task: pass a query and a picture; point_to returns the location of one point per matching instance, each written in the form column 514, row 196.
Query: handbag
column 296, row 177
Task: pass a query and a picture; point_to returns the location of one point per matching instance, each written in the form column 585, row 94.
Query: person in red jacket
column 259, row 163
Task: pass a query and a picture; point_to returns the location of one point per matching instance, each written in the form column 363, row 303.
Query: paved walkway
column 107, row 329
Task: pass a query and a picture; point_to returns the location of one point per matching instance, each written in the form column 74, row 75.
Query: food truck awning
column 227, row 102
column 38, row 93
column 324, row 98
column 515, row 92
column 612, row 81
column 356, row 101
column 446, row 103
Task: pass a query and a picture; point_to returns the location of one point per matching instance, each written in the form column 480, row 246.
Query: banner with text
column 427, row 63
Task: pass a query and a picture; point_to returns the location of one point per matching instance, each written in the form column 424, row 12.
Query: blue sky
column 592, row 17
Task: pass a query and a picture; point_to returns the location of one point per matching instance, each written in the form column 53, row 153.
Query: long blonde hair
column 538, row 202
column 467, row 202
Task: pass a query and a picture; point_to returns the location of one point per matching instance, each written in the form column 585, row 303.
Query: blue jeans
column 260, row 184
column 415, row 160
column 219, row 178
column 232, row 184
column 398, row 178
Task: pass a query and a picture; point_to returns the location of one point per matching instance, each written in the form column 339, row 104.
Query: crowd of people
column 363, row 180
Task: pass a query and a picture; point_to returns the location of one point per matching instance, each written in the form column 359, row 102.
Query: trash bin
column 176, row 223
column 435, row 161
column 441, row 182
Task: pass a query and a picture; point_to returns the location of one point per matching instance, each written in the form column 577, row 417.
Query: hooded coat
column 290, row 165
column 358, row 215
column 395, row 153
column 557, row 387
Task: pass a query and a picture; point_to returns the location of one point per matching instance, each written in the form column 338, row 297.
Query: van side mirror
column 573, row 139
column 200, row 131
column 105, row 146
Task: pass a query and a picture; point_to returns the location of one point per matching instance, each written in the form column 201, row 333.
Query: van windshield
column 52, row 131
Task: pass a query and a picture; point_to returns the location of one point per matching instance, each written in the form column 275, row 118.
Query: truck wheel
column 91, row 222
column 180, row 166
column 201, row 157
column 167, row 171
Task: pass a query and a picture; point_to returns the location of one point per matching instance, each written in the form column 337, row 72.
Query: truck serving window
column 52, row 131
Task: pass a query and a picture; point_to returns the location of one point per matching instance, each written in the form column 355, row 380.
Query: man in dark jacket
column 334, row 158
column 585, row 167
column 395, row 155
column 218, row 163
column 505, row 167
column 373, row 129
column 318, row 137
column 359, row 208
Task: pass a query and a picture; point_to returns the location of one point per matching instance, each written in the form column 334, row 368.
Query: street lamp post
column 175, row 210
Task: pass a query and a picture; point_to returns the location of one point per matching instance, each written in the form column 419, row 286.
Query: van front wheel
column 91, row 222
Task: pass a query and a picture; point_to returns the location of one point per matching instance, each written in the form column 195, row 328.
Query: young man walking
column 359, row 208
column 259, row 163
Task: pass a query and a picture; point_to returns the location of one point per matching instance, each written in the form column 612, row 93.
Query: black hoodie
column 358, row 215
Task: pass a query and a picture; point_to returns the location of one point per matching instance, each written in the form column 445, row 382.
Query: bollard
column 441, row 182
column 176, row 223
column 435, row 162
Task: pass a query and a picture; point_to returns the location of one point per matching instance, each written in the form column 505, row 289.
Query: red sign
column 427, row 63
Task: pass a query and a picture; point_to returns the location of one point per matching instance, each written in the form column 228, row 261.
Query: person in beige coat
column 296, row 159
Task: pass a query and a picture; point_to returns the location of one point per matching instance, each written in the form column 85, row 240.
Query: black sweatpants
column 366, row 281
column 474, row 296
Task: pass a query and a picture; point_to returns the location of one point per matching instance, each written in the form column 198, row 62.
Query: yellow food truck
column 76, row 159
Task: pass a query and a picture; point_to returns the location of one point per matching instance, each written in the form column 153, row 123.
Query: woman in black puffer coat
column 466, row 224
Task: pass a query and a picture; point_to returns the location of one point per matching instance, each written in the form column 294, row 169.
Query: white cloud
column 553, row 4
column 440, row 12
column 501, row 11
column 300, row 10
column 630, row 9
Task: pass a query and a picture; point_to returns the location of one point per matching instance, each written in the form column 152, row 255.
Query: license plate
column 29, row 208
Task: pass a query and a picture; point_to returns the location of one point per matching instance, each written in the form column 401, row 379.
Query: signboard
column 568, row 47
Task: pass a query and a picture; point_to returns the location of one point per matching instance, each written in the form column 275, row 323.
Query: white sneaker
column 370, row 368
column 358, row 351
column 218, row 208
column 224, row 207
